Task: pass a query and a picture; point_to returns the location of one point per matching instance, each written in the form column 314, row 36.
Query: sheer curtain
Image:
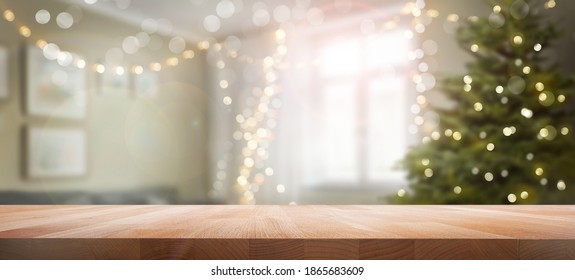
column 335, row 122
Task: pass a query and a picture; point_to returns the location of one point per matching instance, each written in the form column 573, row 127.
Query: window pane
column 340, row 142
column 341, row 57
column 386, row 128
column 387, row 49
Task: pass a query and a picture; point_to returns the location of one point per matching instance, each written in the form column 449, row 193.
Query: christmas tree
column 509, row 137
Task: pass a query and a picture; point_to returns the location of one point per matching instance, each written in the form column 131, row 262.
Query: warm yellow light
column 9, row 15
column 542, row 97
column 478, row 106
column 25, row 31
column 539, row 86
column 539, row 171
column 452, row 17
column 561, row 185
column 227, row 100
column 280, row 36
column 172, row 61
column 474, row 48
column 512, row 198
column 203, row 45
column 100, row 68
column 457, row 190
column 526, row 70
column 155, row 66
column 249, row 162
column 138, row 70
column 432, row 13
column 517, row 40
column 524, row 195
column 41, row 43
column 421, row 100
column 496, row 9
column 242, row 180
column 401, row 193
column 537, row 47
column 81, row 64
column 457, row 135
column 189, row 54
column 490, row 147
column 526, row 113
column 488, row 176
column 119, row 71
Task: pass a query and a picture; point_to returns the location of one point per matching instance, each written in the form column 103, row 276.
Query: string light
column 457, row 189
column 561, row 185
column 401, row 193
column 9, row 15
column 25, row 31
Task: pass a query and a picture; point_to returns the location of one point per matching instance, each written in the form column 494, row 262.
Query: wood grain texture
column 546, row 249
column 378, row 249
column 334, row 249
column 466, row 249
column 287, row 232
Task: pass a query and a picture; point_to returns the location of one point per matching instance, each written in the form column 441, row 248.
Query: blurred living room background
column 243, row 101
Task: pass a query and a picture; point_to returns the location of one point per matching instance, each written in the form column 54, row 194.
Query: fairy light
column 155, row 66
column 99, row 68
column 138, row 69
column 457, row 190
column 25, row 31
column 9, row 15
column 188, row 54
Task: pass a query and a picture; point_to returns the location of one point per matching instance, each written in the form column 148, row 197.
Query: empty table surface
column 287, row 232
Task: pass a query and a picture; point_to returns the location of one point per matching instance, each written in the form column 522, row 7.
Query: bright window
column 361, row 98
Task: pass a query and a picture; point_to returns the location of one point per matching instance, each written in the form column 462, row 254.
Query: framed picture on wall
column 56, row 153
column 3, row 72
column 56, row 84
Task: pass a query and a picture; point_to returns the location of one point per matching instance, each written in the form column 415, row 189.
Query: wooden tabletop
column 287, row 232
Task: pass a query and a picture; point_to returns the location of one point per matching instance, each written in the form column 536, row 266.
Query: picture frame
column 56, row 153
column 4, row 62
column 55, row 88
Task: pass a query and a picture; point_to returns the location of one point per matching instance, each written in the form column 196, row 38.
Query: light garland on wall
column 256, row 127
column 130, row 45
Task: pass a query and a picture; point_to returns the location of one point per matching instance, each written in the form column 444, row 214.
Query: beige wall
column 133, row 142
